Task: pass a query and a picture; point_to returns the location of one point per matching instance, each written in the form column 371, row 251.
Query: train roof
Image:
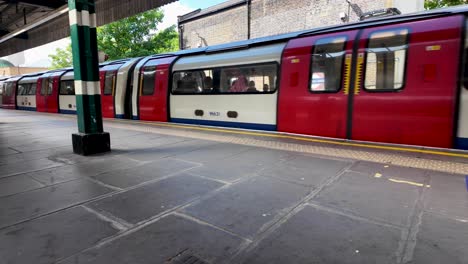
column 442, row 12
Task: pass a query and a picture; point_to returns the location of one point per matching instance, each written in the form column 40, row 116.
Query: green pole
column 90, row 138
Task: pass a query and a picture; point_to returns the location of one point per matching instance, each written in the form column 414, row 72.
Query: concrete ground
column 181, row 195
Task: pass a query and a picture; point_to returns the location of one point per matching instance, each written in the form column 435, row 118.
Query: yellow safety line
column 315, row 140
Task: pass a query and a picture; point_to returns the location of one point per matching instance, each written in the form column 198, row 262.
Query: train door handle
column 232, row 114
column 199, row 112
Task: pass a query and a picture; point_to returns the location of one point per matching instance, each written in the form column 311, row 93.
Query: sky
column 38, row 57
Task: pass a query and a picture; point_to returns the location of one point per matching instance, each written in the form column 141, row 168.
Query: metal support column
column 91, row 139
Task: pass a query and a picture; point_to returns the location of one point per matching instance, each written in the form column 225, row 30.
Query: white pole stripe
column 85, row 18
column 92, row 20
column 74, row 17
column 87, row 88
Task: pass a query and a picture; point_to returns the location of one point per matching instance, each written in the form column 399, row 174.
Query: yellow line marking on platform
column 408, row 182
column 315, row 140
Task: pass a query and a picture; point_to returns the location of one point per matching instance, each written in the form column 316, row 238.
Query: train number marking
column 215, row 113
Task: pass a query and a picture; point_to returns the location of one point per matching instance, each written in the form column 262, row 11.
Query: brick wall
column 215, row 29
column 272, row 17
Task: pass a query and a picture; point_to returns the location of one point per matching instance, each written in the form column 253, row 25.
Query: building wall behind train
column 223, row 24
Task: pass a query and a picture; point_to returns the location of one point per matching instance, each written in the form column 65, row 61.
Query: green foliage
column 62, row 58
column 136, row 36
column 127, row 38
column 432, row 4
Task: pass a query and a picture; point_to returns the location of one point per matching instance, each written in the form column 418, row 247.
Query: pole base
column 88, row 144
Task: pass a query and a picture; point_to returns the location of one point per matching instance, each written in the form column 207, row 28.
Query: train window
column 148, row 80
column 250, row 79
column 32, row 89
column 190, row 82
column 327, row 63
column 386, row 59
column 67, row 87
column 45, row 83
column 109, row 83
column 9, row 88
column 22, row 88
column 234, row 79
column 50, row 86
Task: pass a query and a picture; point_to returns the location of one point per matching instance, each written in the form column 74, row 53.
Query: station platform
column 170, row 193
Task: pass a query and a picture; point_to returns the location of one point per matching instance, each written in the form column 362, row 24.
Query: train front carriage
column 9, row 92
column 234, row 89
column 26, row 93
column 116, row 86
column 151, row 76
column 67, row 99
column 47, row 94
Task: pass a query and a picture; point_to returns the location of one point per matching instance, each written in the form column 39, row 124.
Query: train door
column 108, row 77
column 123, row 89
column 315, row 84
column 152, row 89
column 47, row 93
column 9, row 93
column 405, row 89
column 67, row 98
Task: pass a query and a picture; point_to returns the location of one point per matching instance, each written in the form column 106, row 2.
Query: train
column 398, row 79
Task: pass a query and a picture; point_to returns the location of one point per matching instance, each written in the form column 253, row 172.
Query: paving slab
column 214, row 152
column 441, row 240
column 448, row 195
column 147, row 201
column 306, row 170
column 162, row 241
column 390, row 170
column 150, row 171
column 53, row 237
column 92, row 167
column 17, row 184
column 374, row 198
column 249, row 207
column 27, row 205
column 244, row 164
column 317, row 236
column 23, row 167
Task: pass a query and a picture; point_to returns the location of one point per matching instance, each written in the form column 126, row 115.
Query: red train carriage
column 391, row 83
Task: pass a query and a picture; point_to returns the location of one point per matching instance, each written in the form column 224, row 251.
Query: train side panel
column 9, row 93
column 233, row 89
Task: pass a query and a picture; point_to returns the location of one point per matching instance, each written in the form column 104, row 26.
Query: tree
column 130, row 37
column 137, row 36
column 432, row 4
column 62, row 58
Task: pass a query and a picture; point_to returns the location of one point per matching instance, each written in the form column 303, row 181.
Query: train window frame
column 142, row 80
column 50, row 86
column 345, row 42
column 105, row 91
column 65, row 81
column 31, row 89
column 216, row 91
column 405, row 63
